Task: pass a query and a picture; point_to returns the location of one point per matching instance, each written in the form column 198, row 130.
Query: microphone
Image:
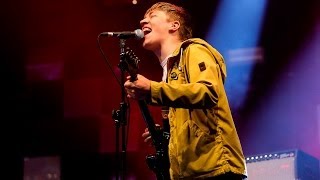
column 138, row 34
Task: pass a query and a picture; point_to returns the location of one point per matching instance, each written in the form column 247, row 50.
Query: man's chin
column 146, row 45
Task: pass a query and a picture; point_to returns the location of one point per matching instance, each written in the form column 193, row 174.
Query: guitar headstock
column 130, row 63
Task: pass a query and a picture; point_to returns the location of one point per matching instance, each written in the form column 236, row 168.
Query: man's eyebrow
column 149, row 13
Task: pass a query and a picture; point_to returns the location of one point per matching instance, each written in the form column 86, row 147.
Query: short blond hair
column 176, row 13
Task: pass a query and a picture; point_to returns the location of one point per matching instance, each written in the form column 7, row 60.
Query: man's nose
column 143, row 21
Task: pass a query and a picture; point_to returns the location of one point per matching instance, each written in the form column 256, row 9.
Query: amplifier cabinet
column 284, row 165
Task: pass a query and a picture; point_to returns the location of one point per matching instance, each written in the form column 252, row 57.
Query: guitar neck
column 150, row 124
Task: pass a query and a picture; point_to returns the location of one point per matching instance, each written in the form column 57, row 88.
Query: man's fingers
column 129, row 84
column 145, row 134
column 147, row 139
column 130, row 91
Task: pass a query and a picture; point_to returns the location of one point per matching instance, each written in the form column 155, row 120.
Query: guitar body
column 158, row 162
column 155, row 163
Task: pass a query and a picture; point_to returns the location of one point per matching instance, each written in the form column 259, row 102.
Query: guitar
column 158, row 162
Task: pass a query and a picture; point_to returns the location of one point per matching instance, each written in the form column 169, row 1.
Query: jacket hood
column 219, row 59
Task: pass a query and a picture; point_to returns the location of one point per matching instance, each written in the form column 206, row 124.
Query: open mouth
column 146, row 30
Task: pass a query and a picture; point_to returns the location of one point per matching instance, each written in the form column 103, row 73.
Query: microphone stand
column 119, row 117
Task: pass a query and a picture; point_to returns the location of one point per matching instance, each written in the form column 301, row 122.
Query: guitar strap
column 165, row 109
column 165, row 123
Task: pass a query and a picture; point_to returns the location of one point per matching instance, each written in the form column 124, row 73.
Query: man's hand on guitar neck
column 138, row 89
column 147, row 136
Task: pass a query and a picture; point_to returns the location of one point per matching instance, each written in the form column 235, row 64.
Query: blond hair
column 176, row 13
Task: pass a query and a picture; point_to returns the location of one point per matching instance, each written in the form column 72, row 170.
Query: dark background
column 58, row 92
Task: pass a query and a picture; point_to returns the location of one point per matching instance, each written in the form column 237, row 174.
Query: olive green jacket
column 203, row 138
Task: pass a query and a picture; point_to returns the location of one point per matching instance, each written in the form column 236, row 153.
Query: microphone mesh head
column 139, row 33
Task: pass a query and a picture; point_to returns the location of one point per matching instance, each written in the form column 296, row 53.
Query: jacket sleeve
column 205, row 81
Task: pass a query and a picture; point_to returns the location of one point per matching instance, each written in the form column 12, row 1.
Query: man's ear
column 175, row 25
